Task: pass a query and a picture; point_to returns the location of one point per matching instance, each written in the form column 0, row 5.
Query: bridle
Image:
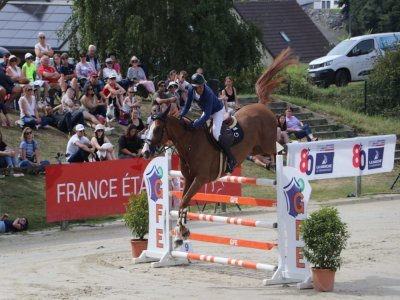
column 153, row 144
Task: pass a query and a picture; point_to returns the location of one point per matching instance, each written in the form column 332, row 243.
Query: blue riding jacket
column 208, row 102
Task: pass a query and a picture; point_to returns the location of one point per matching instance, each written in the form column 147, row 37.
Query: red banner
column 86, row 190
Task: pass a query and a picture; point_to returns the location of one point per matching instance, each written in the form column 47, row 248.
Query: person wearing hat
column 29, row 71
column 79, row 147
column 109, row 70
column 212, row 108
column 103, row 147
column 4, row 63
column 14, row 71
column 173, row 93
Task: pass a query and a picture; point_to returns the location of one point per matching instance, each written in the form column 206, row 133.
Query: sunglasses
column 81, row 130
column 42, row 37
column 30, row 58
column 100, row 130
column 109, row 62
column 28, row 132
column 134, row 61
column 29, row 90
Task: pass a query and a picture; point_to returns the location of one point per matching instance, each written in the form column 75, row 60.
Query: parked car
column 352, row 59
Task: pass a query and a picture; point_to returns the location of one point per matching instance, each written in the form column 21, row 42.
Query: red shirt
column 48, row 69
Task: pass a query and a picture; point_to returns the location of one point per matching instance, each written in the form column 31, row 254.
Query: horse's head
column 156, row 136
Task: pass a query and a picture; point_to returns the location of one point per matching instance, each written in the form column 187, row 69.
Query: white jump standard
column 293, row 193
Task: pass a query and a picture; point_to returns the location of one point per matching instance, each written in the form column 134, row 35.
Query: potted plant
column 325, row 236
column 136, row 218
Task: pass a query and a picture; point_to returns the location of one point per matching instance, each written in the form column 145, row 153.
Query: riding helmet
column 198, row 79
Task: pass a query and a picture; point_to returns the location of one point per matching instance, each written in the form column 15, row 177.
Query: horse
column 200, row 159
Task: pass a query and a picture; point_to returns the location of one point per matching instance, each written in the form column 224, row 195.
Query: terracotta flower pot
column 323, row 279
column 138, row 246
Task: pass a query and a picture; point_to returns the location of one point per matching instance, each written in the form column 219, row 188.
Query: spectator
column 138, row 76
column 94, row 111
column 93, row 60
column 84, row 69
column 7, row 156
column 102, row 145
column 57, row 62
column 161, row 97
column 42, row 49
column 109, row 70
column 28, row 108
column 172, row 77
column 130, row 145
column 116, row 65
column 29, row 71
column 29, row 154
column 130, row 102
column 263, row 161
column 172, row 93
column 79, row 147
column 50, row 74
column 183, row 86
column 137, row 121
column 14, row 71
column 229, row 96
column 68, row 105
column 19, row 224
column 297, row 127
column 115, row 94
column 4, row 64
column 282, row 135
column 94, row 82
column 4, row 118
column 68, row 74
column 7, row 86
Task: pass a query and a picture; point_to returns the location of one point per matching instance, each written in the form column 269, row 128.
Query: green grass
column 25, row 196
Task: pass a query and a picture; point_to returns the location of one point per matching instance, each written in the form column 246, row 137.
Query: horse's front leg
column 181, row 226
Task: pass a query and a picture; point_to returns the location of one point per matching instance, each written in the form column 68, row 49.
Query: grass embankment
column 26, row 195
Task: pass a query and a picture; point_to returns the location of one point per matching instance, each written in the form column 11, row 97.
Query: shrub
column 136, row 216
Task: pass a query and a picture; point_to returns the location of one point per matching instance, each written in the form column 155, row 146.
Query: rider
column 213, row 108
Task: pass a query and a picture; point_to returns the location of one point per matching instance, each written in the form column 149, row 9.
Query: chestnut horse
column 199, row 159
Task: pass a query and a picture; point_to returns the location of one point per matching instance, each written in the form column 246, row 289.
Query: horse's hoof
column 178, row 243
column 186, row 234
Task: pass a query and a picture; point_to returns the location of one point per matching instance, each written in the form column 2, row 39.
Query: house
column 326, row 4
column 282, row 24
column 21, row 21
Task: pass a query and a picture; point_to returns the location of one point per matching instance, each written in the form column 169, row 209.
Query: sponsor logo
column 294, row 197
column 154, row 183
column 375, row 154
column 324, row 163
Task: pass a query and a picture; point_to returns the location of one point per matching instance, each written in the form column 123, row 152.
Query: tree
column 166, row 34
column 371, row 15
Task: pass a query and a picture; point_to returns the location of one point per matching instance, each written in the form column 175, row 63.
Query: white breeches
column 218, row 118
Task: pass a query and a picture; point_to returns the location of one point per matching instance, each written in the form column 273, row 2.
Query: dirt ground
column 95, row 262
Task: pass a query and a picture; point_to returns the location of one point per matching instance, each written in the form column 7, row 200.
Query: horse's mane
column 266, row 84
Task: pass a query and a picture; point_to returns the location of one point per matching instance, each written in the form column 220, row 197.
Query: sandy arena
column 95, row 262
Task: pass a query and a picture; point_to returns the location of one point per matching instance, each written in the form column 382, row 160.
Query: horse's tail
column 266, row 84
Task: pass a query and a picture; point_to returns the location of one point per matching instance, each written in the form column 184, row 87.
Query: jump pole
column 293, row 193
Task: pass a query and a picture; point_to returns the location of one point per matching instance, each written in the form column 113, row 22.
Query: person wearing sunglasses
column 79, row 147
column 162, row 98
column 42, row 48
column 29, row 153
column 28, row 108
column 137, row 75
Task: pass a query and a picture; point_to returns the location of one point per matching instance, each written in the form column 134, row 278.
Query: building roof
column 21, row 21
column 283, row 23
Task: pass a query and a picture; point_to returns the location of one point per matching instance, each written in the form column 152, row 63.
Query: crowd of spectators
column 49, row 90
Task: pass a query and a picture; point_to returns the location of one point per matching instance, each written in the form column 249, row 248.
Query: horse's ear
column 166, row 112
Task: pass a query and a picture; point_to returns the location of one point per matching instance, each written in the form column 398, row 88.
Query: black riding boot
column 231, row 161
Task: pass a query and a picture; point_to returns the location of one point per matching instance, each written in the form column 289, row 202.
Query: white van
column 352, row 59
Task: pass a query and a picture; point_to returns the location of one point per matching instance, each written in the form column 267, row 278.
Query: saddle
column 230, row 130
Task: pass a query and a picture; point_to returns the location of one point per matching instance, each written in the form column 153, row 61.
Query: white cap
column 99, row 127
column 79, row 127
column 27, row 55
